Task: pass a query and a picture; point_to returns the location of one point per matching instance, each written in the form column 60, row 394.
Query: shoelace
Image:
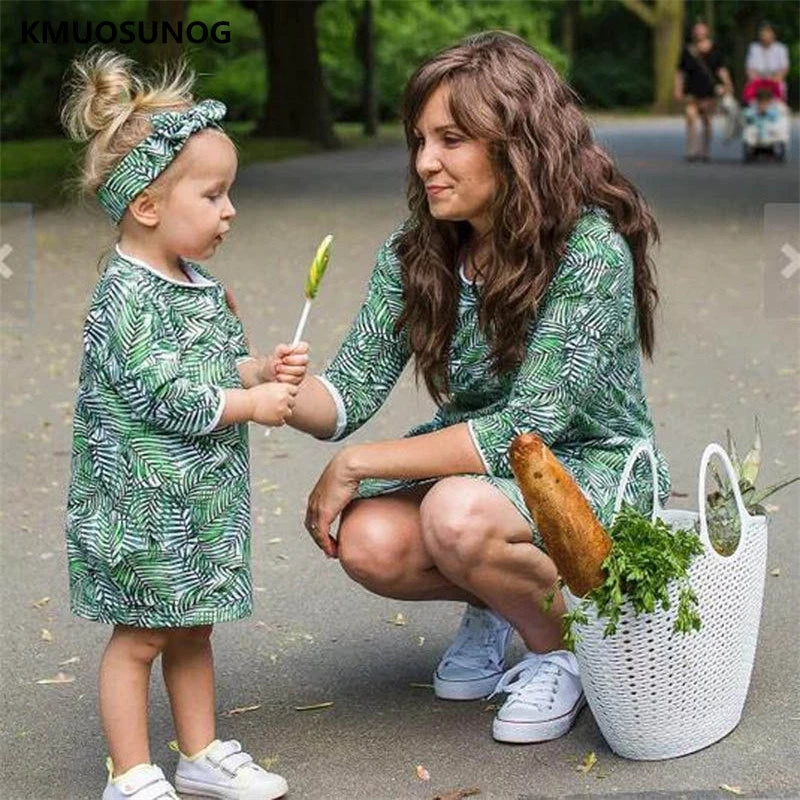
column 475, row 641
column 534, row 679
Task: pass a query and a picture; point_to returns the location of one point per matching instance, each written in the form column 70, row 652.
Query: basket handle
column 640, row 449
column 712, row 450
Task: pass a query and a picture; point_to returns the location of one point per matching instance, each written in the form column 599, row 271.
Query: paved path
column 317, row 637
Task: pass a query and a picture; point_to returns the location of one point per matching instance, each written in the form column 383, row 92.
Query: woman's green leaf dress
column 579, row 387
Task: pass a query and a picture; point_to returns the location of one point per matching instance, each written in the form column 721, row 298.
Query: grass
column 40, row 171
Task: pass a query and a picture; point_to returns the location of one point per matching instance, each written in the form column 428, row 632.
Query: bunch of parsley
column 644, row 559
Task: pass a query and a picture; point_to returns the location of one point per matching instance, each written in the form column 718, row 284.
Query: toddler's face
column 197, row 212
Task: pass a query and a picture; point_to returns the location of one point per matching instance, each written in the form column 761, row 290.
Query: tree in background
column 172, row 12
column 297, row 101
column 666, row 19
column 365, row 49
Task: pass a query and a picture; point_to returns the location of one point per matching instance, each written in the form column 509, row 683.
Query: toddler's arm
column 265, row 403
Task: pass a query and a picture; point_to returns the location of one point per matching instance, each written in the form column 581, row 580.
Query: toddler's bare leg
column 188, row 667
column 123, row 684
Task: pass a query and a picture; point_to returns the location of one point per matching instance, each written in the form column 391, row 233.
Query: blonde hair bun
column 108, row 104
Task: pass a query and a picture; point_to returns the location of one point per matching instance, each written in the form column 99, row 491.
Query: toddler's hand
column 272, row 403
column 287, row 364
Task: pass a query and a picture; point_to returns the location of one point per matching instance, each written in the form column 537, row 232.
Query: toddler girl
column 158, row 511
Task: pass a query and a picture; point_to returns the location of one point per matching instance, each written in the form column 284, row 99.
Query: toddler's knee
column 144, row 644
column 195, row 636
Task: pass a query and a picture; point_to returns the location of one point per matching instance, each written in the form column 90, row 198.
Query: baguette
column 574, row 537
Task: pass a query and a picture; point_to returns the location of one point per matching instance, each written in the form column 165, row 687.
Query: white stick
column 297, row 335
column 302, row 324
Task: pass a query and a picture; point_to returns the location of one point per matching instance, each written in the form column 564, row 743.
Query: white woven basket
column 658, row 694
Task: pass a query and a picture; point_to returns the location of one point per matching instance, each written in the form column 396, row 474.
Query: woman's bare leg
column 381, row 547
column 692, row 117
column 460, row 540
column 479, row 541
column 706, row 114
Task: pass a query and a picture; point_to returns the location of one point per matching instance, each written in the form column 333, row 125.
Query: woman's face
column 458, row 175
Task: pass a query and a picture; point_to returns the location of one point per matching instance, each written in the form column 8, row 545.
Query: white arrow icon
column 5, row 271
column 794, row 261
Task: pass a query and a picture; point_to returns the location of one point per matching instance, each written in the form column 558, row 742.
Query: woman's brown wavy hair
column 547, row 168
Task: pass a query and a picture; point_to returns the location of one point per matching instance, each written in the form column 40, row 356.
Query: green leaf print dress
column 579, row 386
column 158, row 508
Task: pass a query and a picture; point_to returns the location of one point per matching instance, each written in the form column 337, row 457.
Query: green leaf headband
column 145, row 162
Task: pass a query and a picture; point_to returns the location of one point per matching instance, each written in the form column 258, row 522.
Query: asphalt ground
column 727, row 348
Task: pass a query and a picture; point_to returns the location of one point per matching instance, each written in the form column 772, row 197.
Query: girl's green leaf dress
column 158, row 509
column 579, row 387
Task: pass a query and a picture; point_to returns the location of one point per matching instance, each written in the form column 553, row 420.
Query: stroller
column 765, row 120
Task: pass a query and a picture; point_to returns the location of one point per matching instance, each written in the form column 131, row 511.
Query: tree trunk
column 667, row 43
column 365, row 50
column 173, row 12
column 665, row 17
column 709, row 17
column 569, row 16
column 297, row 101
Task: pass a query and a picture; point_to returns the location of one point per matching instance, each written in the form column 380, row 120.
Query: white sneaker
column 223, row 770
column 544, row 697
column 472, row 665
column 142, row 782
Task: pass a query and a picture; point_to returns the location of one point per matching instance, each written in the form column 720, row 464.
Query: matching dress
column 158, row 510
column 158, row 516
column 579, row 386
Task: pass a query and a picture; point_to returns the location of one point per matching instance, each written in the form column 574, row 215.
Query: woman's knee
column 457, row 518
column 373, row 549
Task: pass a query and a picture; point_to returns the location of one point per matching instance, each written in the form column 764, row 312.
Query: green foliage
column 604, row 80
column 408, row 31
column 646, row 557
column 235, row 72
column 612, row 64
column 32, row 73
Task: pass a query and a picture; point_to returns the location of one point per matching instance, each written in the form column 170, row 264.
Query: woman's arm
column 449, row 451
column 725, row 77
column 314, row 409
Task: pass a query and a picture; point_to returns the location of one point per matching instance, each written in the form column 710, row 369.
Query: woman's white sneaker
column 544, row 698
column 142, row 782
column 222, row 770
column 474, row 663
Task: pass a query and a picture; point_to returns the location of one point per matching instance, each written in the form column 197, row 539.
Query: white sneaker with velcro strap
column 142, row 782
column 222, row 770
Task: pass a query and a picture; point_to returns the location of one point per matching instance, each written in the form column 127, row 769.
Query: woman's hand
column 286, row 364
column 335, row 488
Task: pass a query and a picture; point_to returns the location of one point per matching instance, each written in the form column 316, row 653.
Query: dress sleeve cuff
column 341, row 411
column 477, row 446
column 217, row 414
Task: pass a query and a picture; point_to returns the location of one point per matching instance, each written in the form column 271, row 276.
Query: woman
column 521, row 287
column 701, row 75
column 767, row 58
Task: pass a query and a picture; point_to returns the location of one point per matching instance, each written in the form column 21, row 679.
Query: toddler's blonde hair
column 108, row 104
